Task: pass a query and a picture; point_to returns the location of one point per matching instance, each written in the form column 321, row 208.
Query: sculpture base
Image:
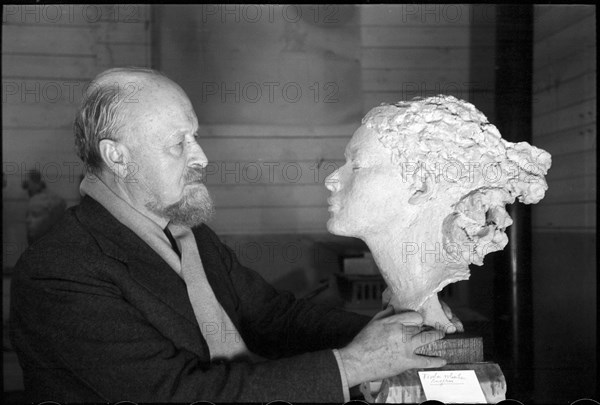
column 455, row 348
column 407, row 388
column 462, row 351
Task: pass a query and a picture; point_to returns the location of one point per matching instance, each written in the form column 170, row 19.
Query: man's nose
column 196, row 156
column 332, row 182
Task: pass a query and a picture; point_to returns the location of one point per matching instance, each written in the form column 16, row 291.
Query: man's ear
column 424, row 187
column 115, row 156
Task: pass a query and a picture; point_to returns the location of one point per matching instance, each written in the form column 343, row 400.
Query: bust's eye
column 355, row 168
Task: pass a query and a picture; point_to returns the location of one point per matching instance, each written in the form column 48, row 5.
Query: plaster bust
column 425, row 185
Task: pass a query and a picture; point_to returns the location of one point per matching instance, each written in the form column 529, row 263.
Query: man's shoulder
column 211, row 246
column 205, row 232
column 68, row 231
column 207, row 238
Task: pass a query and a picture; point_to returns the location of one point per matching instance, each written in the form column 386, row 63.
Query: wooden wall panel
column 565, row 93
column 582, row 113
column 274, row 149
column 287, row 71
column 40, row 66
column 565, row 215
column 49, row 53
column 64, row 40
column 271, row 220
column 550, row 19
column 564, row 223
column 415, row 50
column 399, row 36
column 563, row 68
column 268, row 156
column 425, row 50
column 568, row 40
column 565, row 309
column 572, row 165
column 414, row 58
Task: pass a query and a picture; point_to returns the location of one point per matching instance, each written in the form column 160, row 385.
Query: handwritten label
column 452, row 386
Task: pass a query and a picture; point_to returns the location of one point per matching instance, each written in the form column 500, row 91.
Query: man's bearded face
column 194, row 208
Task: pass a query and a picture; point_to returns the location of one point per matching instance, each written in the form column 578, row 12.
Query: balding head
column 137, row 131
column 110, row 104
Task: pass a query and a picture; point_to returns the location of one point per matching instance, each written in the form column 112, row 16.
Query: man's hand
column 458, row 326
column 385, row 347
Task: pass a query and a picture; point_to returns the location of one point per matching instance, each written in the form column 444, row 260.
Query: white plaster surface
column 425, row 185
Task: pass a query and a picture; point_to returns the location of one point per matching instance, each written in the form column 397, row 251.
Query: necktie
column 167, row 232
column 220, row 333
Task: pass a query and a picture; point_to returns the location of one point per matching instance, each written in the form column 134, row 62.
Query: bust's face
column 368, row 190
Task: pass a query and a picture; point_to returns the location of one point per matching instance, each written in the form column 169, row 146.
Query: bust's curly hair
column 452, row 145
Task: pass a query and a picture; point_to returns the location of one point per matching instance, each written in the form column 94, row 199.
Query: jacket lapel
column 144, row 264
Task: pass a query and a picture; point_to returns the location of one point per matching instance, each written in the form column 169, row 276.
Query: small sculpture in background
column 44, row 208
column 34, row 183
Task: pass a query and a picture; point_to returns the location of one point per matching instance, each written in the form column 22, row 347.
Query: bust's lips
column 333, row 205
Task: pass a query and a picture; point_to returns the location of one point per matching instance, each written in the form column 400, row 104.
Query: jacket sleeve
column 276, row 324
column 79, row 339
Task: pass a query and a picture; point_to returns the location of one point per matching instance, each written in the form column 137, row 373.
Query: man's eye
column 178, row 148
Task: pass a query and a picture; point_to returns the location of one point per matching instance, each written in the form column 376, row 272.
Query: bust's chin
column 335, row 227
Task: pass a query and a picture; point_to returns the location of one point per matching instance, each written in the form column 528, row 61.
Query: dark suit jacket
column 97, row 315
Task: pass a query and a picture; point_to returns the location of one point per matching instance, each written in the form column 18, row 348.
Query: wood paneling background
column 269, row 157
column 49, row 54
column 425, row 50
column 564, row 223
column 277, row 108
column 269, row 154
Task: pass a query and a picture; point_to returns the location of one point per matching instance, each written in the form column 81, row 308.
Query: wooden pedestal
column 463, row 352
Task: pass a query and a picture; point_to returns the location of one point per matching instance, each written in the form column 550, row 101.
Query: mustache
column 194, row 175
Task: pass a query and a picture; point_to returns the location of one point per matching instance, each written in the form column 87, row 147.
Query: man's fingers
column 408, row 318
column 458, row 324
column 427, row 337
column 386, row 312
column 447, row 310
column 429, row 362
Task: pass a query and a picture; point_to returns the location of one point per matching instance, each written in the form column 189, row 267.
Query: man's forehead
column 133, row 82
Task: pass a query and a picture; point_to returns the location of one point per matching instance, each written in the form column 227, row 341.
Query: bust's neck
column 413, row 262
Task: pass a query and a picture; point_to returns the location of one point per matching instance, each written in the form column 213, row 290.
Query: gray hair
column 100, row 115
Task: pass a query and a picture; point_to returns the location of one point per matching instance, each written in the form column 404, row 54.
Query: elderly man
column 133, row 297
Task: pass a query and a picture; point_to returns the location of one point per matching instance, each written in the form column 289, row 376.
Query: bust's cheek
column 358, row 198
